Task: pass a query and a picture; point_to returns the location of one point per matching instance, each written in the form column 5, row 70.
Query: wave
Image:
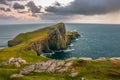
column 69, row 50
column 76, row 39
column 71, row 45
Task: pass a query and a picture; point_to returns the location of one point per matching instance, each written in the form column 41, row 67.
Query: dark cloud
column 86, row 7
column 57, row 3
column 3, row 2
column 18, row 6
column 5, row 9
column 33, row 7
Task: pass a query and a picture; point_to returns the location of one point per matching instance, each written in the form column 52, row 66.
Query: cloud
column 3, row 2
column 18, row 6
column 17, row 0
column 33, row 7
column 86, row 7
column 5, row 17
column 5, row 9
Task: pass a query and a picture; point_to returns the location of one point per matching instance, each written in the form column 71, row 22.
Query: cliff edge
column 47, row 39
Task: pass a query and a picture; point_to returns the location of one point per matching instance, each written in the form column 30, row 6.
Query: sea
column 97, row 40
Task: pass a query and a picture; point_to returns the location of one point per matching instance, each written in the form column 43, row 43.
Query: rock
column 74, row 74
column 4, row 63
column 62, row 70
column 27, row 69
column 68, row 64
column 10, row 60
column 41, row 67
column 83, row 78
column 50, row 66
column 22, row 61
column 73, row 58
column 100, row 59
column 14, row 61
column 85, row 58
column 16, row 75
column 60, row 63
column 115, row 58
column 17, row 64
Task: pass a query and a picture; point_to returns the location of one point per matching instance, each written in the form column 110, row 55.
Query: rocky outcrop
column 50, row 66
column 15, row 61
column 72, row 35
column 54, row 38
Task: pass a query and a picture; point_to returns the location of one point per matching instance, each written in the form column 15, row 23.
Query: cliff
column 47, row 39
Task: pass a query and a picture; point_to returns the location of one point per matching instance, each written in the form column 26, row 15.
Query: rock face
column 14, row 61
column 51, row 66
column 57, row 39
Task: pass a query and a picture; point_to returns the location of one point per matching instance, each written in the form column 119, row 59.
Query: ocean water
column 97, row 40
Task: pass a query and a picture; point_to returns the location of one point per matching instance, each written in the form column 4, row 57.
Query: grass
column 98, row 70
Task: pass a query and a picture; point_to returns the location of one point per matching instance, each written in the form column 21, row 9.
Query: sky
column 68, row 11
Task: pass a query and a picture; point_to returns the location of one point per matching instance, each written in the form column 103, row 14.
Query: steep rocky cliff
column 51, row 38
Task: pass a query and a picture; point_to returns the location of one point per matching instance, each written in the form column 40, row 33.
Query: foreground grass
column 91, row 70
column 98, row 70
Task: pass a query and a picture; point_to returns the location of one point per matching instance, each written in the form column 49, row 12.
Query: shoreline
column 83, row 58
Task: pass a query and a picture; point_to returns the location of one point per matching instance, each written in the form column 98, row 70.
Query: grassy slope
column 92, row 70
column 26, row 39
